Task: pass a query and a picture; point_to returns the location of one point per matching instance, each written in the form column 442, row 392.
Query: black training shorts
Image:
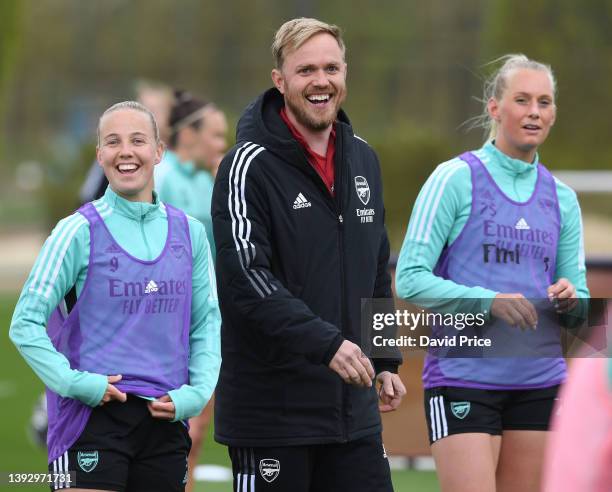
column 123, row 448
column 358, row 466
column 453, row 410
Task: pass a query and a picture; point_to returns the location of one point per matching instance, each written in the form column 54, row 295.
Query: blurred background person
column 196, row 144
column 157, row 97
column 209, row 150
column 213, row 139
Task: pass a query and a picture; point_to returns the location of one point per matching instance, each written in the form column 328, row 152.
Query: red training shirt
column 324, row 165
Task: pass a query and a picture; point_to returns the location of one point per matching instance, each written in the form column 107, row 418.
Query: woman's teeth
column 126, row 168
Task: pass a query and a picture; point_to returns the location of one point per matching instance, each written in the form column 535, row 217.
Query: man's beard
column 305, row 119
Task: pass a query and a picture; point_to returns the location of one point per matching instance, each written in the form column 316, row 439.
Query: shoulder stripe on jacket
column 432, row 191
column 55, row 249
column 437, row 202
column 104, row 212
column 241, row 225
column 50, row 248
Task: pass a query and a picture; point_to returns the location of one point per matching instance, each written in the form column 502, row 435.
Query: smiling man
column 298, row 219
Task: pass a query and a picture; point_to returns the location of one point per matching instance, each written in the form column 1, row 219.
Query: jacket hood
column 261, row 123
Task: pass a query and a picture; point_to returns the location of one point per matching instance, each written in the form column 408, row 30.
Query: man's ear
column 277, row 79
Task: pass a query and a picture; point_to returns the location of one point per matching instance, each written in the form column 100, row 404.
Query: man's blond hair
column 294, row 33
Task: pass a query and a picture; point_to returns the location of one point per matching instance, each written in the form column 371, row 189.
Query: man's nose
column 321, row 79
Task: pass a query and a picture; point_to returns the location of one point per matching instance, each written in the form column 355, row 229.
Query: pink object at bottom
column 579, row 453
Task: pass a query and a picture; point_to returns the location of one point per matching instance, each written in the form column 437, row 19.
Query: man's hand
column 391, row 391
column 352, row 365
column 515, row 310
column 162, row 408
column 563, row 295
column 112, row 393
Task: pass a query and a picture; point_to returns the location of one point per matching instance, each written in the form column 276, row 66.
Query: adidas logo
column 151, row 287
column 113, row 248
column 301, row 202
column 522, row 224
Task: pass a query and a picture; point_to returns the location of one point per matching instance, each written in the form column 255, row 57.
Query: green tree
column 575, row 38
column 9, row 37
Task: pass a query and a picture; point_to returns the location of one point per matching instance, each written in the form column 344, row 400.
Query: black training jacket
column 293, row 264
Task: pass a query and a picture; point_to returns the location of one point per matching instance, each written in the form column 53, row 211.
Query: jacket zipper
column 342, row 304
column 144, row 237
column 338, row 202
column 336, row 208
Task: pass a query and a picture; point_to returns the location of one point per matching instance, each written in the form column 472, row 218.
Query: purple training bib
column 131, row 318
column 508, row 247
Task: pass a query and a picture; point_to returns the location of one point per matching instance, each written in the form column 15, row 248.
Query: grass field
column 19, row 389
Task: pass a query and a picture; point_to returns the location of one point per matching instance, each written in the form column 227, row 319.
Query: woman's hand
column 112, row 393
column 162, row 408
column 563, row 295
column 515, row 310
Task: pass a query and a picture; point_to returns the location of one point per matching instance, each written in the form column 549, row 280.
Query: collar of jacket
column 511, row 166
column 262, row 124
column 133, row 210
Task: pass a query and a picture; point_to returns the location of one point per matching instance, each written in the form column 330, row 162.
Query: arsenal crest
column 87, row 460
column 460, row 409
column 177, row 250
column 363, row 189
column 269, row 469
column 546, row 205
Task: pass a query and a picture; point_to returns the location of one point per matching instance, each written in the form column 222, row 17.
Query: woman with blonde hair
column 494, row 229
column 138, row 353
